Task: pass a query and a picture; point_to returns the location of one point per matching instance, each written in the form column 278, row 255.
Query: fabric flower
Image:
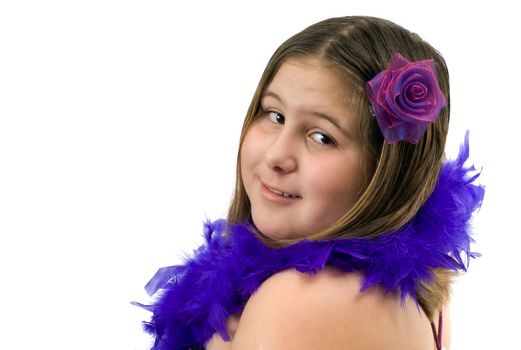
column 406, row 98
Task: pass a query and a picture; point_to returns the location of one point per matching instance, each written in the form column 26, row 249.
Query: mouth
column 282, row 193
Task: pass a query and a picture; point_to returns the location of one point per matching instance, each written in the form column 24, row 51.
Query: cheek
column 336, row 183
column 251, row 149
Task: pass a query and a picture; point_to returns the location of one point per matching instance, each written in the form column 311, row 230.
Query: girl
column 345, row 228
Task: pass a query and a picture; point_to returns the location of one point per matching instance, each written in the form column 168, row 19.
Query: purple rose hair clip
column 405, row 98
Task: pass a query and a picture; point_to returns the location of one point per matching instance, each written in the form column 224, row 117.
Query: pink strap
column 437, row 335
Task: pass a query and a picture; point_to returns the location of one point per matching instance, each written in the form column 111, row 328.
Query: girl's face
column 301, row 157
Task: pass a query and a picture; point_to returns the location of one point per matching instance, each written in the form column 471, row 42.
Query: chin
column 278, row 231
column 270, row 229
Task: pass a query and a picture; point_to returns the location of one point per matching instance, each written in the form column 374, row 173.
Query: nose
column 280, row 156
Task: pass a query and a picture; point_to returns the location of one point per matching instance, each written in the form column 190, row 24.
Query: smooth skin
column 296, row 311
column 304, row 143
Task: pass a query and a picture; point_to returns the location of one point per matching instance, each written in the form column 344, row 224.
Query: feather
column 195, row 299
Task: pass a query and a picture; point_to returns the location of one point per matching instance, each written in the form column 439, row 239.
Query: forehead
column 310, row 85
column 311, row 73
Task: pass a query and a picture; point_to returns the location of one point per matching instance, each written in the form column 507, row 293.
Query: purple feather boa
column 196, row 298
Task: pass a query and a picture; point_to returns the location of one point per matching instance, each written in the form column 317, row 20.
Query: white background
column 119, row 123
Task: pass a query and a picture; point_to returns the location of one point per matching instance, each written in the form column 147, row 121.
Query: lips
column 282, row 193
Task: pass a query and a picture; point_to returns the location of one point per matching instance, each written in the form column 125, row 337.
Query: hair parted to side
column 399, row 177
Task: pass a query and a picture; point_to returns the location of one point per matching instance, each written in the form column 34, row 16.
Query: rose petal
column 397, row 62
column 410, row 132
column 406, row 98
column 373, row 86
column 415, row 92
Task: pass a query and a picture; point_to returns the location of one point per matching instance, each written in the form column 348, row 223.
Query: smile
column 281, row 193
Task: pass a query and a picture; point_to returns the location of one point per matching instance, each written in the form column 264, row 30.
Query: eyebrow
column 329, row 118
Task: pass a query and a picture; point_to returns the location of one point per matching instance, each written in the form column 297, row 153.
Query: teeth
column 277, row 192
column 280, row 193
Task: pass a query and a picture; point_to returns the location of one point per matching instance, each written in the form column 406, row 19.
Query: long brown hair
column 398, row 177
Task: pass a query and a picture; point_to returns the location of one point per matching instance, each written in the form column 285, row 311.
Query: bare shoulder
column 293, row 310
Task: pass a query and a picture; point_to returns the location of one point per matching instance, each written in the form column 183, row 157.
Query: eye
column 322, row 138
column 276, row 117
